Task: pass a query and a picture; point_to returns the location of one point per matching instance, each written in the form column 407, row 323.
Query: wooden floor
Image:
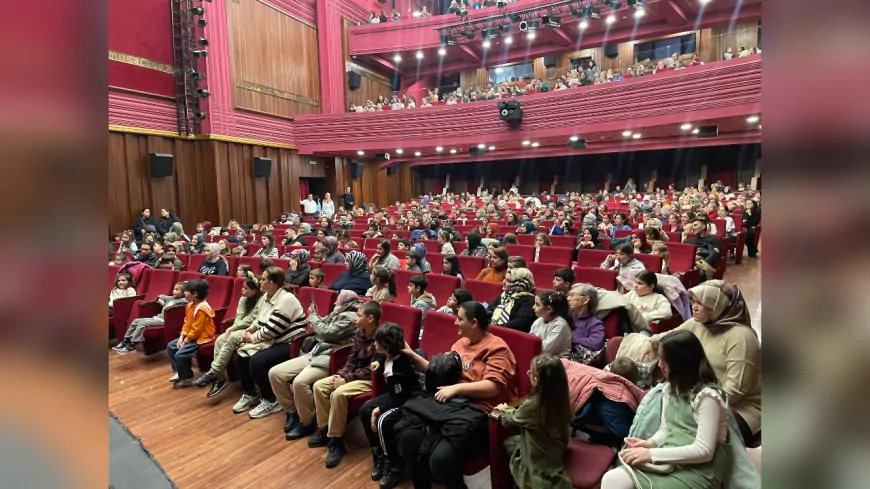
column 201, row 443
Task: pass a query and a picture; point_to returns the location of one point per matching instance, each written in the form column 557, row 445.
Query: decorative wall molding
column 141, row 62
column 253, row 87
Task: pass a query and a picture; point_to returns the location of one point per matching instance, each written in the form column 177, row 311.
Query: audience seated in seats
column 123, row 288
column 424, row 265
column 623, row 260
column 450, row 266
column 516, row 262
column 332, row 255
column 722, row 323
column 646, row 297
column 384, row 257
column 445, row 239
column 214, row 263
column 280, row 319
column 383, row 285
column 486, row 373
column 293, row 380
column 299, row 269
column 315, row 279
column 563, row 279
column 198, row 329
column 119, row 258
column 420, row 298
column 319, row 254
column 587, row 339
column 536, row 454
column 498, row 266
column 268, row 250
column 167, row 218
column 475, row 246
column 291, row 238
column 514, row 308
column 553, row 323
column 661, row 249
column 609, row 397
column 143, row 224
column 693, row 431
column 229, row 341
column 588, row 239
column 356, row 278
column 709, row 248
column 458, row 297
column 382, row 412
column 638, row 241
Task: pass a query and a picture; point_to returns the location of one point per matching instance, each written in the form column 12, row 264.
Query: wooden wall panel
column 476, row 78
column 372, row 83
column 273, row 59
column 713, row 42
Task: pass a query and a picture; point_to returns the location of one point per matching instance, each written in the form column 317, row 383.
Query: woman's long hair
column 387, row 278
column 455, row 270
column 687, row 366
column 253, row 283
column 551, row 393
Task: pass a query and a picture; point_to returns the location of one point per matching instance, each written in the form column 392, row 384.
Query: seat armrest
column 499, row 469
column 173, row 322
column 296, row 344
column 338, row 357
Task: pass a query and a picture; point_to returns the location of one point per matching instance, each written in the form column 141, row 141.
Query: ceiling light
column 397, row 58
column 360, row 153
column 686, row 126
column 759, row 126
column 626, row 134
column 442, row 51
column 481, row 145
column 508, row 40
column 492, row 148
column 453, row 151
column 695, row 130
column 636, row 135
column 610, row 19
column 583, row 24
column 752, row 119
column 638, row 13
column 536, row 144
column 530, row 35
column 399, row 151
column 499, row 70
column 486, row 44
column 703, row 2
column 417, row 153
column 439, row 149
column 419, row 54
column 574, row 138
column 526, row 143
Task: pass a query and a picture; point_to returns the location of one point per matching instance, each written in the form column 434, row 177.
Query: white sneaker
column 245, row 403
column 264, row 409
column 174, row 377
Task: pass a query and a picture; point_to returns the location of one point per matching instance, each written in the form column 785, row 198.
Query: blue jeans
column 180, row 358
column 616, row 416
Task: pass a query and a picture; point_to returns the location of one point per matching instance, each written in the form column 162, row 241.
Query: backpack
column 444, row 369
column 135, row 269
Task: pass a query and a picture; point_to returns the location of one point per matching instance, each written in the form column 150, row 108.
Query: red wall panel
column 142, row 29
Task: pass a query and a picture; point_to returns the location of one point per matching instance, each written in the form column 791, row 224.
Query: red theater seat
column 526, row 239
column 483, row 291
column 442, row 287
column 651, row 262
column 563, row 241
column 402, row 279
column 324, row 298
column 471, row 265
column 599, row 277
column 332, row 272
column 439, row 334
column 586, row 463
column 409, row 318
column 557, row 255
column 591, row 258
column 527, row 252
column 544, row 273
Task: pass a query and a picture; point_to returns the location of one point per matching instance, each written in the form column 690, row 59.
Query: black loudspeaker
column 475, row 151
column 708, row 131
column 382, row 156
column 611, row 50
column 549, row 61
column 510, row 112
column 391, row 170
column 356, row 170
column 160, row 165
column 262, row 167
column 578, row 144
column 353, row 80
column 396, row 83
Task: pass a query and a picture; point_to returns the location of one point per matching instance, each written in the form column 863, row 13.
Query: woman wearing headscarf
column 638, row 240
column 721, row 320
column 491, row 236
column 239, row 237
column 527, row 227
column 475, row 247
column 515, row 307
column 420, row 248
column 357, row 277
column 214, row 263
column 299, row 269
column 588, row 240
column 197, row 245
column 332, row 253
column 306, row 229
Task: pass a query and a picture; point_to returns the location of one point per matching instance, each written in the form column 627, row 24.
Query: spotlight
column 481, row 145
column 638, row 4
column 686, row 127
column 695, row 130
column 515, row 17
column 491, row 148
column 550, row 21
column 610, row 19
column 576, row 12
column 417, row 153
column 439, row 149
column 536, row 144
column 501, row 3
column 196, row 75
column 397, row 58
column 442, row 52
column 486, row 44
column 197, row 10
column 360, row 153
column 636, row 135
column 399, row 151
column 752, row 119
column 583, row 24
column 419, row 54
column 530, row 35
column 453, row 151
column 203, row 41
column 202, row 22
column 469, row 34
column 638, row 13
column 508, row 40
column 202, row 92
column 526, row 143
column 626, row 134
column 574, row 138
column 200, row 53
column 448, row 40
column 199, row 115
column 530, row 25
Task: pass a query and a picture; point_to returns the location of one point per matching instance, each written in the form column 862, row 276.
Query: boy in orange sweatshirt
column 198, row 329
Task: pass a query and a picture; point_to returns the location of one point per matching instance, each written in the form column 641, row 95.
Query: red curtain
column 303, row 189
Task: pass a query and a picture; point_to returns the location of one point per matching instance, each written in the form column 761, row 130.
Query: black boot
column 319, row 439
column 393, row 473
column 291, row 421
column 378, row 462
column 335, row 451
column 301, row 431
column 205, row 379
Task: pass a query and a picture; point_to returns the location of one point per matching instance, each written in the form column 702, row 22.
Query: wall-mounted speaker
column 160, row 165
column 708, row 131
column 353, row 80
column 549, row 61
column 262, row 167
column 391, row 170
column 578, row 144
column 611, row 50
column 356, row 170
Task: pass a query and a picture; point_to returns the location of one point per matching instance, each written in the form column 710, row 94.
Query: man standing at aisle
column 348, row 199
column 309, row 206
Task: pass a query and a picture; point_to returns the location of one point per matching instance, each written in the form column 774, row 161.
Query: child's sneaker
column 174, row 377
column 128, row 348
column 120, row 346
column 183, row 383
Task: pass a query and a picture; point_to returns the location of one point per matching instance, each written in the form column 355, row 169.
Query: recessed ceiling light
column 397, row 58
column 526, row 143
column 636, row 135
column 759, row 126
column 686, row 126
column 442, row 51
column 439, row 149
column 492, row 148
column 417, row 153
column 703, row 2
column 360, row 153
column 638, row 13
column 752, row 119
column 508, row 40
column 399, row 151
column 610, row 19
column 419, row 54
column 536, row 144
column 626, row 134
column 481, row 145
column 574, row 138
column 583, row 24
column 486, row 44
column 530, row 35
column 695, row 130
column 453, row 151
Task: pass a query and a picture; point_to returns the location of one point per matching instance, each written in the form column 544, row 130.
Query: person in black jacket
column 751, row 220
column 357, row 277
column 299, row 270
column 167, row 217
column 143, row 225
column 381, row 413
column 348, row 199
column 515, row 307
column 709, row 248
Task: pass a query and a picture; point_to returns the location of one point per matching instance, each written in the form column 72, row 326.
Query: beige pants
column 224, row 347
column 331, row 403
column 292, row 381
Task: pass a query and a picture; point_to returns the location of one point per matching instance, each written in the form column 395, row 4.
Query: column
column 330, row 57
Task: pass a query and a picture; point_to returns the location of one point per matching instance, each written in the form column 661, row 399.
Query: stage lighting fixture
column 505, row 28
column 203, row 41
column 197, row 10
column 634, row 3
column 528, row 25
column 486, row 44
column 583, row 24
column 202, row 22
column 515, row 17
column 501, row 3
column 202, row 92
column 442, row 51
column 200, row 53
column 197, row 75
column 462, row 12
column 576, row 12
column 592, row 12
column 469, row 34
column 550, row 21
column 450, row 41
column 489, row 34
column 200, row 115
column 508, row 40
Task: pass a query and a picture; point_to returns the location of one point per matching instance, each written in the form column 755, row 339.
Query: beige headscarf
column 725, row 302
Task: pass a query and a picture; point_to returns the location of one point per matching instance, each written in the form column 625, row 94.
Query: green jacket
column 536, row 456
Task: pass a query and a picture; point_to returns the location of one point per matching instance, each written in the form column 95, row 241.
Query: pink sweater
column 583, row 380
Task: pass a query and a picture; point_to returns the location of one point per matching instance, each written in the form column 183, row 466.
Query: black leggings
column 444, row 461
column 254, row 370
column 751, row 248
column 745, row 431
column 386, row 424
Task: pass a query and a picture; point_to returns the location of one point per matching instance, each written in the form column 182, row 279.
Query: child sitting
column 563, row 279
column 198, row 329
column 136, row 332
column 123, row 288
column 420, row 298
column 458, row 297
column 383, row 285
column 543, row 419
column 382, row 412
column 552, row 325
column 242, row 271
column 315, row 279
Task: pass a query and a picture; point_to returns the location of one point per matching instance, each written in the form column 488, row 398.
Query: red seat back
column 440, row 333
column 459, row 246
column 409, row 318
column 651, row 262
column 526, row 239
column 527, row 252
column 235, row 297
column 483, row 291
column 442, row 287
column 544, row 273
column 591, row 258
column 563, row 241
column 371, row 243
column 186, row 276
column 605, row 242
column 524, row 347
column 681, row 256
column 674, row 237
column 253, row 248
column 220, row 290
column 471, row 265
column 283, row 264
column 113, row 272
column 556, row 254
column 436, row 261
column 324, row 298
column 332, row 271
column 432, row 246
column 599, row 277
column 402, row 279
column 193, row 263
column 159, row 282
column 621, row 233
